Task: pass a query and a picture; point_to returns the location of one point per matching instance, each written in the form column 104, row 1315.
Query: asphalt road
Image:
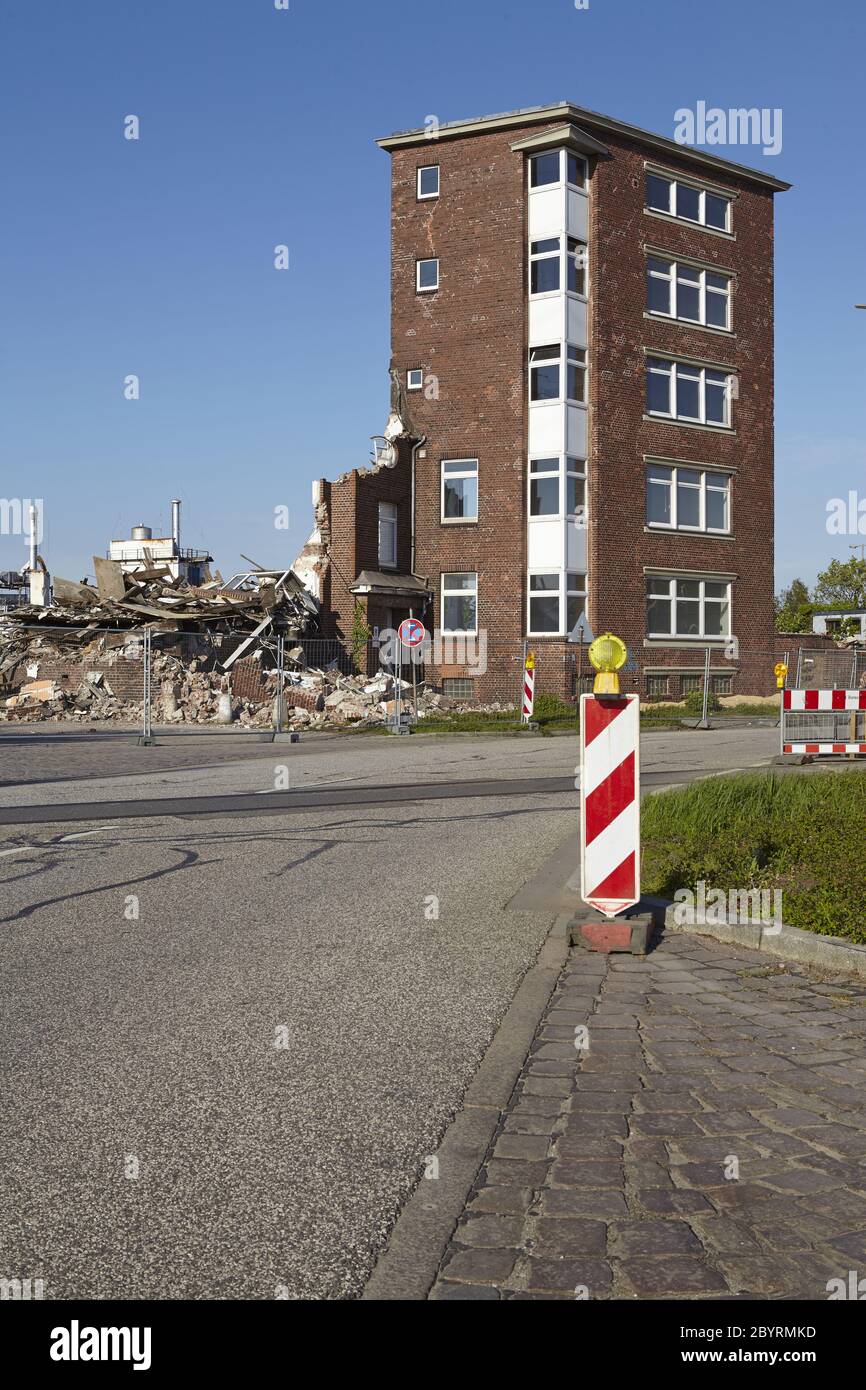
column 149, row 968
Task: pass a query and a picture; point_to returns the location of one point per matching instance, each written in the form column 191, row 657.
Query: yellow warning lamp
column 781, row 671
column 607, row 654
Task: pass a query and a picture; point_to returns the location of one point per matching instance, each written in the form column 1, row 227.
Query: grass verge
column 804, row 834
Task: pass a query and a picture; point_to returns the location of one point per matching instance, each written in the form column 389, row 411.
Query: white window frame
column 458, row 593
column 701, row 189
column 711, row 481
column 414, row 372
column 423, row 169
column 673, row 368
column 536, row 256
column 579, row 471
column 471, row 471
column 535, row 475
column 569, row 249
column 546, row 362
column 575, row 591
column 388, row 527
column 673, row 278
column 673, row 581
column 563, row 153
column 579, row 358
column 426, row 289
column 544, row 593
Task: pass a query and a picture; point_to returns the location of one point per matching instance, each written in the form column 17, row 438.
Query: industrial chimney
column 175, row 524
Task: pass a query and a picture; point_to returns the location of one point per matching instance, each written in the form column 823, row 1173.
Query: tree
column 794, row 608
column 842, row 584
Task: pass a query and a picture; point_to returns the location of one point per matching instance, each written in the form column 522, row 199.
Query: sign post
column 528, row 687
column 411, row 634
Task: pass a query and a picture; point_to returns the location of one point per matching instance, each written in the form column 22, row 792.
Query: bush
column 549, row 706
column 694, row 703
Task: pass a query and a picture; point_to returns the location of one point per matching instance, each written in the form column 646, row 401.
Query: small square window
column 415, row 378
column 428, row 181
column 458, row 687
column 688, row 683
column 545, row 169
column 576, row 170
column 657, row 687
column 427, row 275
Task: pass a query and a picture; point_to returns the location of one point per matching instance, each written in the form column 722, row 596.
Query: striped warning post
column 528, row 688
column 824, row 747
column 610, row 801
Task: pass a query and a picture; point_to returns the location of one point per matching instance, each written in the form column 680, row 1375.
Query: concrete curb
column 407, row 1267
column 831, row 953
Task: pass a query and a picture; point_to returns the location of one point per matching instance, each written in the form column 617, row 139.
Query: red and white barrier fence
column 796, row 704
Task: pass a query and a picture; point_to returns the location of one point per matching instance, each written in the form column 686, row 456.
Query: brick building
column 582, row 414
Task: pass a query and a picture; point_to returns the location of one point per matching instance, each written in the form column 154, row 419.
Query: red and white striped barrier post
column 610, row 801
column 827, row 702
column 528, row 687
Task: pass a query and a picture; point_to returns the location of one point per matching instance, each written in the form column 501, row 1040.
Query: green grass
column 804, row 834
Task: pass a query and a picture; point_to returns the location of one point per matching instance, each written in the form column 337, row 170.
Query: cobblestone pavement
column 710, row 1142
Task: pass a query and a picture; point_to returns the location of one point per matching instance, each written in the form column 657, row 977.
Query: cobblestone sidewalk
column 710, row 1142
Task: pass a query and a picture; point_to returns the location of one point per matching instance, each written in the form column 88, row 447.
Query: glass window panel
column 545, row 383
column 717, row 282
column 460, row 466
column 659, row 586
column 658, row 615
column 544, row 354
column 544, row 465
column 544, row 497
column 716, row 619
column 689, row 588
column 659, row 391
column 576, row 266
column 658, row 193
column 688, row 396
column 658, row 295
column 576, row 581
column 576, row 170
column 428, row 181
column 540, row 583
column 688, row 617
column 544, row 275
column 545, row 169
column 688, row 295
column 716, row 404
column 688, row 505
column 688, row 202
column 717, row 509
column 716, row 211
column 576, row 494
column 715, row 590
column 544, row 614
column 575, row 605
column 459, row 613
column 428, row 274
column 459, row 580
column 576, row 382
column 549, row 245
column 658, row 502
column 461, row 499
column 717, row 310
column 690, row 476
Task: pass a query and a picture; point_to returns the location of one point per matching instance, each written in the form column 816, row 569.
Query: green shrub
column 549, row 706
column 694, row 703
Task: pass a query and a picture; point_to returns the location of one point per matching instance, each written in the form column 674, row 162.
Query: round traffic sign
column 411, row 632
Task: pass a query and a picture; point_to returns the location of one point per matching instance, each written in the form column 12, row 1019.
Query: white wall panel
column 576, row 430
column 546, row 430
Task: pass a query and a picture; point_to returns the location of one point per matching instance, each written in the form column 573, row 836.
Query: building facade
column 582, row 346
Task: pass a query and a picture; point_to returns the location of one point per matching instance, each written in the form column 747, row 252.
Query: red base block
column 625, row 934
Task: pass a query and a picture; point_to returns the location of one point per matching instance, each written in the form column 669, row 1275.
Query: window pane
column 544, row 614
column 658, row 293
column 688, row 617
column 658, row 193
column 716, row 619
column 658, row 586
column 428, row 274
column 544, row 354
column 688, row 297
column 716, row 282
column 576, row 382
column 716, row 211
column 717, row 310
column 717, row 509
column 688, row 202
column 544, row 497
column 690, row 476
column 540, row 247
column 716, row 404
column 460, row 466
column 575, row 494
column 688, row 397
column 428, row 181
column 539, row 583
column 461, row 499
column 545, row 169
column 576, row 170
column 689, row 588
column 576, row 581
column 459, row 580
column 688, row 505
column 545, row 383
column 715, row 590
column 576, row 266
column 658, row 503
column 575, row 605
column 544, row 465
column 459, row 614
column 658, row 615
column 659, row 391
column 544, row 275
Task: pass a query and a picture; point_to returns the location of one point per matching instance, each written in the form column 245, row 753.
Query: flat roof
column 567, row 111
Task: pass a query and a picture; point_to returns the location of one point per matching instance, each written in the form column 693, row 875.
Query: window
column 545, row 169
column 684, row 391
column 544, row 487
column 427, row 275
column 575, row 488
column 722, row 685
column 459, row 490
column 691, row 682
column 458, row 687
column 415, row 378
column 428, row 181
column 576, row 374
column 681, row 291
column 688, row 607
column 544, row 265
column 544, row 366
column 657, row 687
column 687, row 499
column 388, row 535
column 460, row 602
column 575, row 598
column 689, row 202
column 544, row 603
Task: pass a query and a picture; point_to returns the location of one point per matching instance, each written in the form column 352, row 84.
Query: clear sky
column 257, row 128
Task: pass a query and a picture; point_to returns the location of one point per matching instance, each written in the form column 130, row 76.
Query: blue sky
column 258, row 125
